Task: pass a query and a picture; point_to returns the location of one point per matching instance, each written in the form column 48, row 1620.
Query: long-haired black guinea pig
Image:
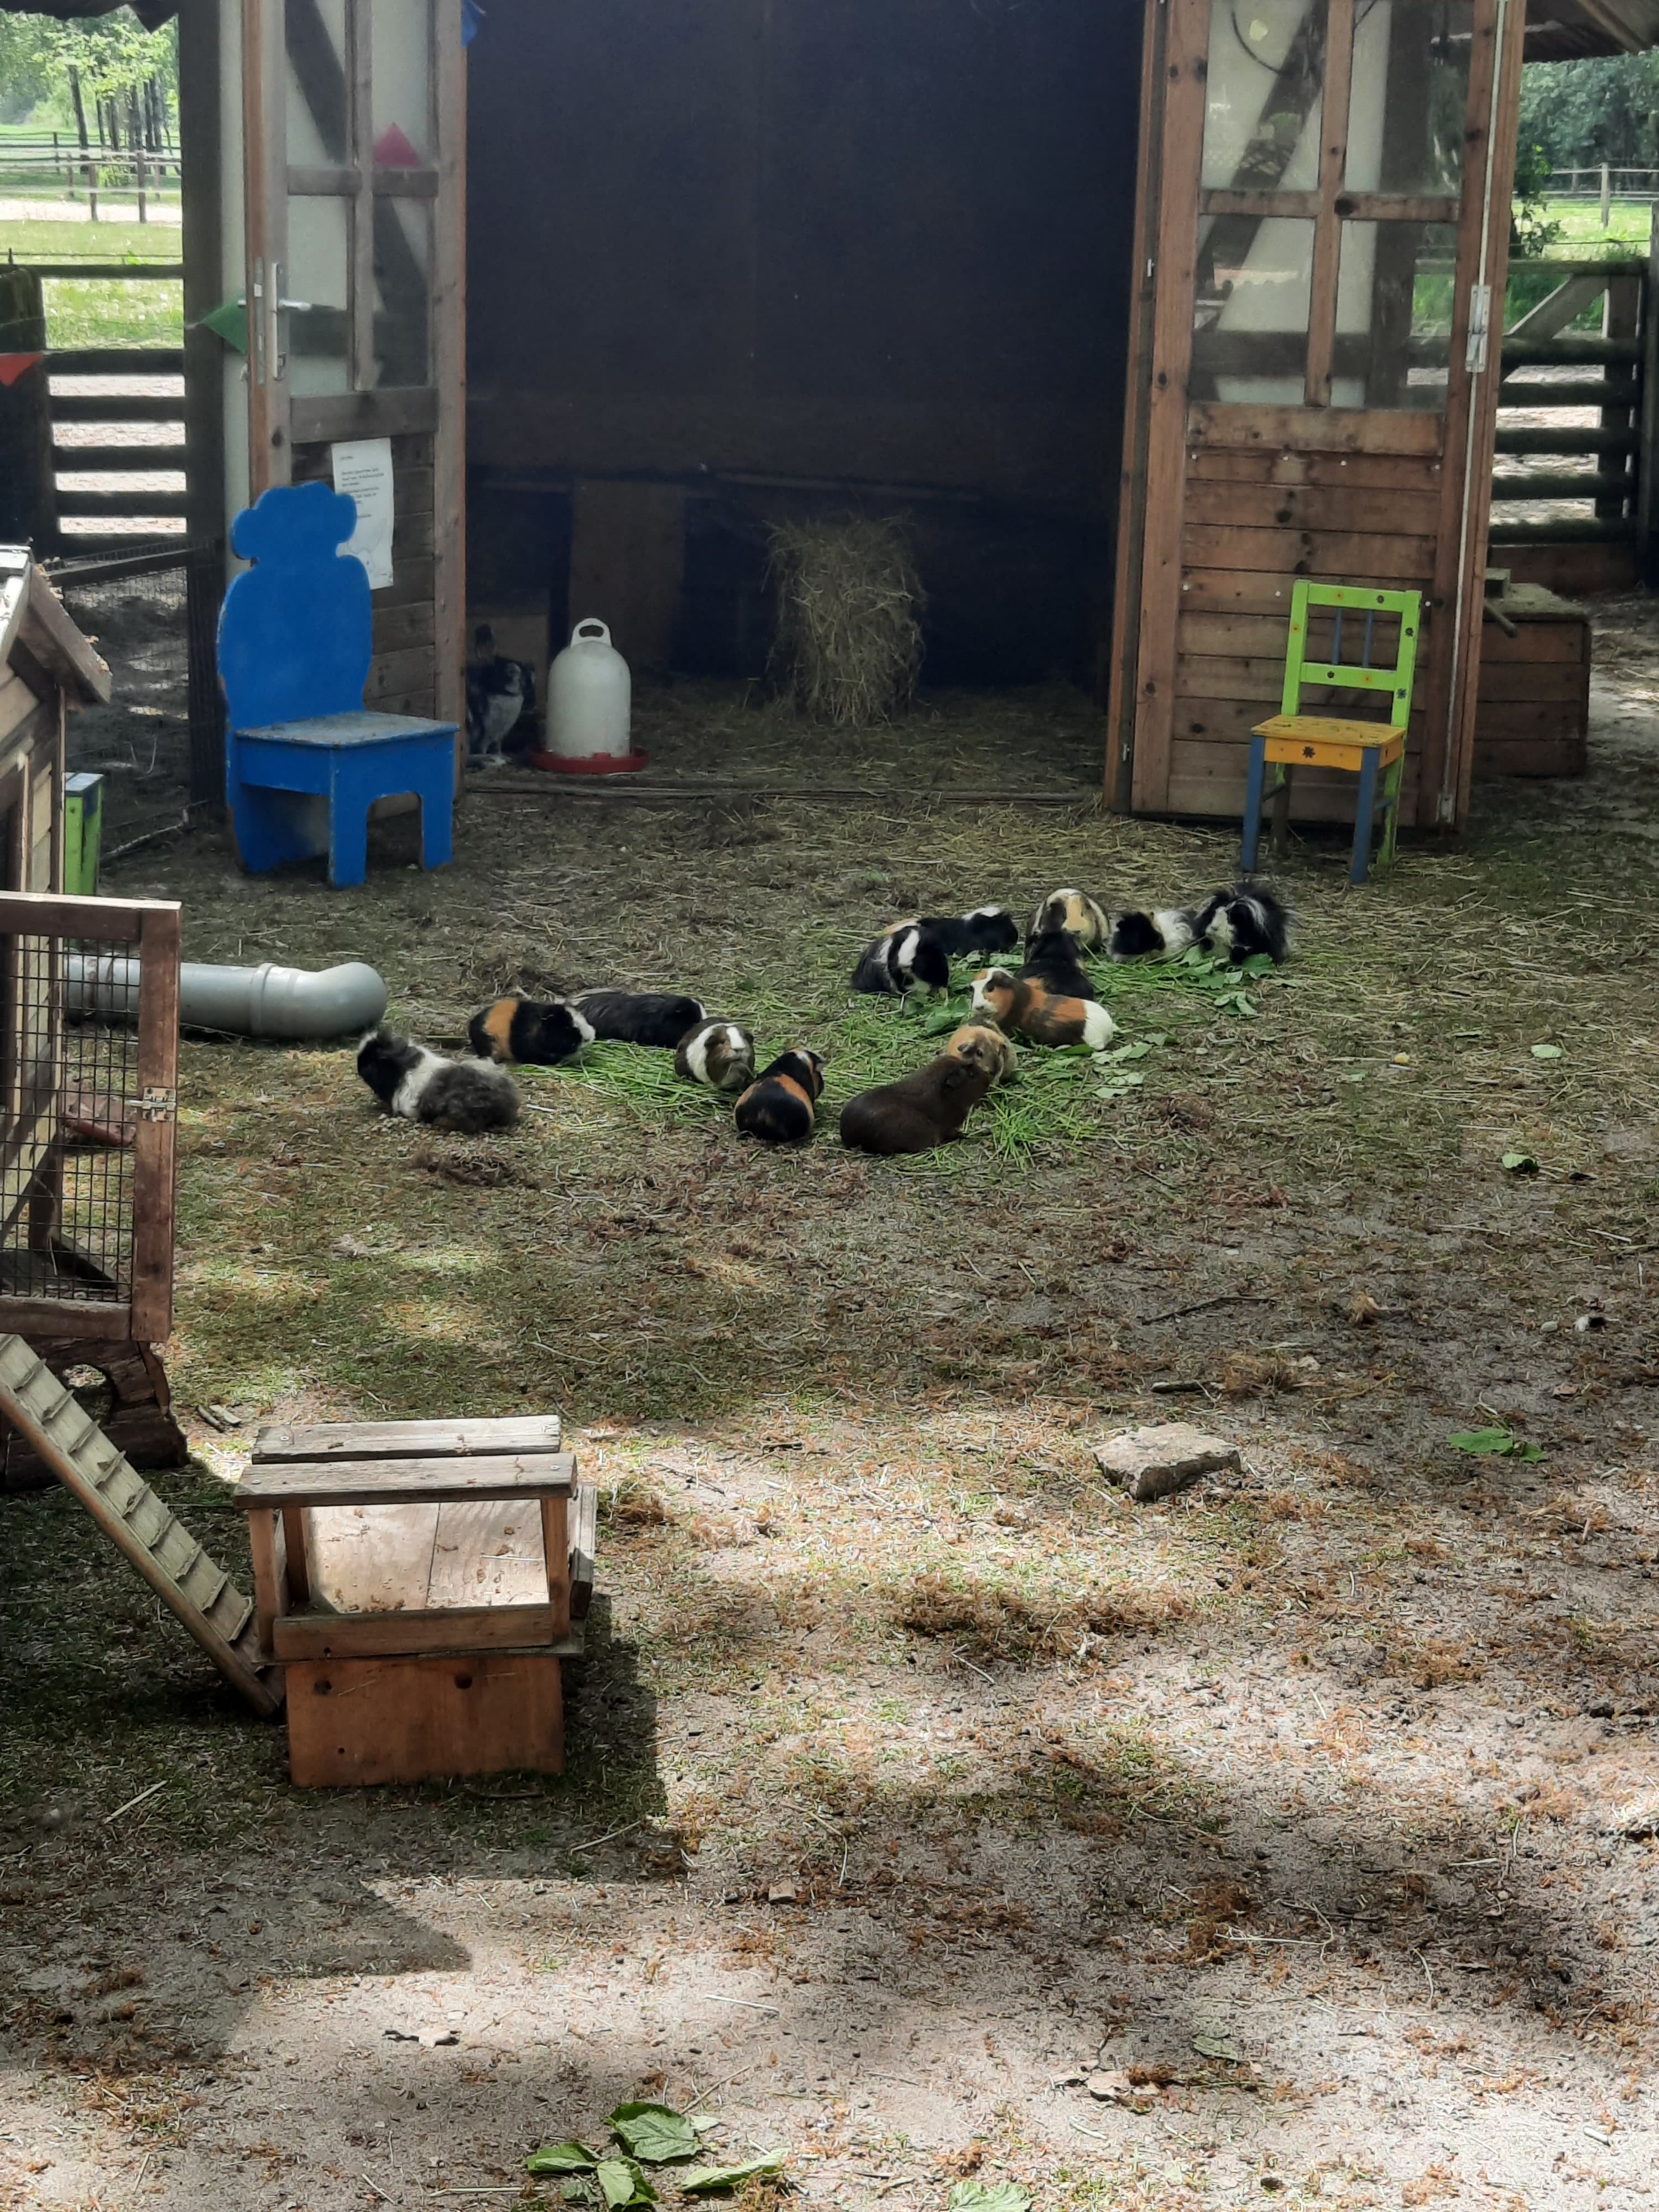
column 908, row 957
column 1161, row 934
column 1051, row 958
column 540, row 1033
column 718, row 1054
column 468, row 1096
column 1244, row 921
column 1075, row 912
column 780, row 1105
column 986, row 929
column 654, row 1018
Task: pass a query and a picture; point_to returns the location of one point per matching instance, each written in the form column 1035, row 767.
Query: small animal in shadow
column 718, row 1054
column 652, row 1018
column 468, row 1096
column 919, row 1111
column 1075, row 912
column 779, row 1107
column 540, row 1033
column 1025, row 1006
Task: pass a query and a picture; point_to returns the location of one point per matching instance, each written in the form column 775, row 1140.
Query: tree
column 113, row 58
column 1584, row 112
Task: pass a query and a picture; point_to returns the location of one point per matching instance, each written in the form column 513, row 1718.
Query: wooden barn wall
column 884, row 244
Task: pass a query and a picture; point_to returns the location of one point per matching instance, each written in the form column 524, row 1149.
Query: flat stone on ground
column 1151, row 1462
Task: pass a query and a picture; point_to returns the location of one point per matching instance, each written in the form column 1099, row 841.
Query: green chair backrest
column 1360, row 601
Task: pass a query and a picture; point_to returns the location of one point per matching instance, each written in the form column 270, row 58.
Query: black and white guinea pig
column 718, row 1054
column 541, row 1033
column 908, row 957
column 654, row 1018
column 1076, row 913
column 1161, row 934
column 1245, row 919
column 467, row 1096
column 779, row 1107
column 986, row 929
column 1051, row 958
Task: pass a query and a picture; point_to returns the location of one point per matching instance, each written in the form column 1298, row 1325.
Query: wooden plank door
column 354, row 122
column 1324, row 213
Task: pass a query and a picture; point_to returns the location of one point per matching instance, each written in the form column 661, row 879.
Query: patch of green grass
column 104, row 311
column 1581, row 226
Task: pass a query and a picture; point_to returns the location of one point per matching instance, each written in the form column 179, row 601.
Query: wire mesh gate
column 88, row 1075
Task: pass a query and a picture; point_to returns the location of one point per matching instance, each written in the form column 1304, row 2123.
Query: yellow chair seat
column 1327, row 741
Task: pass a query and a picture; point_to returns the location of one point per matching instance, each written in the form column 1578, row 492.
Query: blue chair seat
column 304, row 760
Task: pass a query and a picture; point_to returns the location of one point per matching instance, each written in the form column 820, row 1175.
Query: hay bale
column 849, row 647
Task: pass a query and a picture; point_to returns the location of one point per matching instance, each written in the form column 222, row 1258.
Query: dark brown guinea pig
column 982, row 1044
column 778, row 1105
column 918, row 1112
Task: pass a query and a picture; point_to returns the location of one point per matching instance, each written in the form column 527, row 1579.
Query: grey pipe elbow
column 300, row 1004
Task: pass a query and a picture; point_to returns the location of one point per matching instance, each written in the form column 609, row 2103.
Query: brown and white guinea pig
column 718, row 1054
column 467, row 1096
column 1075, row 912
column 919, row 1111
column 539, row 1033
column 778, row 1106
column 1026, row 1007
column 654, row 1018
column 982, row 1044
column 906, row 957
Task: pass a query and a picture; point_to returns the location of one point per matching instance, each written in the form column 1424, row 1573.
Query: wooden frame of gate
column 1225, row 502
column 399, row 329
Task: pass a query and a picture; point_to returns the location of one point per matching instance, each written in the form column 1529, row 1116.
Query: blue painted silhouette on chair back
column 295, row 631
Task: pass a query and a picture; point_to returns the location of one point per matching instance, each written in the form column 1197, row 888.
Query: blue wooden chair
column 304, row 759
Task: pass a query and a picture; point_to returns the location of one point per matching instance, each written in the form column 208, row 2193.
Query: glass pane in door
column 1395, row 289
column 402, row 290
column 1250, row 316
column 1410, row 89
column 319, row 111
column 317, row 283
column 403, row 37
column 1263, row 99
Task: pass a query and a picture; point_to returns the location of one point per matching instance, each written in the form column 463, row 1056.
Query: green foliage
column 1493, row 1443
column 1531, row 226
column 1574, row 113
column 654, row 2132
column 113, row 55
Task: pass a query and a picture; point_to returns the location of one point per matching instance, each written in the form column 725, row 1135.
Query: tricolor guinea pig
column 1075, row 912
column 1161, row 934
column 779, row 1105
column 718, row 1054
column 982, row 1044
column 1051, row 959
column 467, row 1096
column 919, row 1111
column 1027, row 1008
column 654, row 1018
column 1244, row 921
column 539, row 1033
column 907, row 957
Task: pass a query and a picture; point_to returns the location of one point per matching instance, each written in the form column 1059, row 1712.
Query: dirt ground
column 930, row 1811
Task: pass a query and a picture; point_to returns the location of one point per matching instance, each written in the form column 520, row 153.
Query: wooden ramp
column 137, row 1521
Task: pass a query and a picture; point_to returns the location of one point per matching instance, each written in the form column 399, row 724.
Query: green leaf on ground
column 698, row 2180
column 655, row 2133
column 561, row 2158
column 1547, row 1052
column 622, row 2184
column 1520, row 1164
column 989, row 2196
column 1493, row 1443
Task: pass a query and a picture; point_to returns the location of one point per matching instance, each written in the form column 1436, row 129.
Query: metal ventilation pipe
column 265, row 1001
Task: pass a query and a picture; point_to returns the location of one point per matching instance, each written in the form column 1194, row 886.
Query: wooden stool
column 420, row 1581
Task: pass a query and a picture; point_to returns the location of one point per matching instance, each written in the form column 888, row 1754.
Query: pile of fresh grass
column 849, row 647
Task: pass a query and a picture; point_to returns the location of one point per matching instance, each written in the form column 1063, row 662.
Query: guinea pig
column 908, row 957
column 982, row 1045
column 918, row 1112
column 538, row 1033
column 778, row 1107
column 718, row 1054
column 1073, row 911
column 986, row 929
column 467, row 1096
column 1025, row 1006
column 1051, row 960
column 1244, row 921
column 654, row 1018
column 1163, row 933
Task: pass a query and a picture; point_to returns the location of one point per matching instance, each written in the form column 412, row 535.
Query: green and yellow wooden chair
column 1370, row 749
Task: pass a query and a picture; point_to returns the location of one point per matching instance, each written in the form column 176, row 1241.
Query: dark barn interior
column 732, row 262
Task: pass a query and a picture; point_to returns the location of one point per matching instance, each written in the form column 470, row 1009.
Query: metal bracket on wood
column 158, row 1105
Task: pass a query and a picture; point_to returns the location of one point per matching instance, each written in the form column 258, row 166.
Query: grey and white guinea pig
column 718, row 1054
column 468, row 1096
column 1075, row 912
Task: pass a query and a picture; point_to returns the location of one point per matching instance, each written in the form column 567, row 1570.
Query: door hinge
column 158, row 1105
column 1479, row 327
column 1445, row 807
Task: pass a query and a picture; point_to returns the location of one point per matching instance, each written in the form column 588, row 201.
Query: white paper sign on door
column 362, row 466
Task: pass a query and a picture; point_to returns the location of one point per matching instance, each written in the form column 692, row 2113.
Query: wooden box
column 357, row 1721
column 1532, row 716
